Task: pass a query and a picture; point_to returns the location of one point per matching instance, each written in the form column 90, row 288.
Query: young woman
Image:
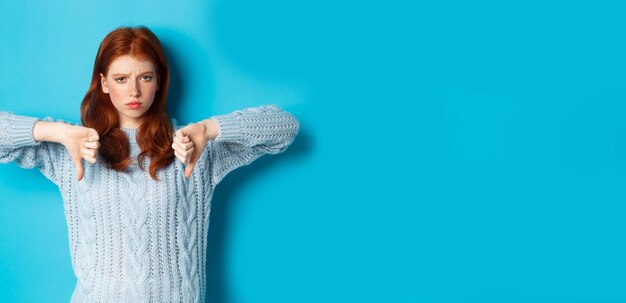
column 138, row 218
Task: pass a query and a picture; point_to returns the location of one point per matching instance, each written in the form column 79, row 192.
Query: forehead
column 129, row 64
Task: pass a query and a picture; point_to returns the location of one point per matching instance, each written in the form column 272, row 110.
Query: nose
column 134, row 89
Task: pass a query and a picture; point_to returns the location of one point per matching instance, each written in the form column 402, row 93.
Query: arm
column 21, row 141
column 239, row 138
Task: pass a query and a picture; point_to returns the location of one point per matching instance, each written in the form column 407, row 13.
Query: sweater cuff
column 21, row 131
column 230, row 128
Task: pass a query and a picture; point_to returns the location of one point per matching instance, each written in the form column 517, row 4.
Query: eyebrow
column 120, row 74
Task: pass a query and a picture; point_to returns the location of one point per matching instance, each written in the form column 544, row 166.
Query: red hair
column 155, row 135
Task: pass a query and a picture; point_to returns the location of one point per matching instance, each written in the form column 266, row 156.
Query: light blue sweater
column 134, row 239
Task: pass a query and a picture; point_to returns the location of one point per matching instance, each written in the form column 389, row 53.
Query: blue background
column 449, row 152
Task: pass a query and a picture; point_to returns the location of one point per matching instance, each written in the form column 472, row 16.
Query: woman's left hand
column 189, row 142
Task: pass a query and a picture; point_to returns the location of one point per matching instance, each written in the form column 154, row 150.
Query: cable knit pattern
column 134, row 239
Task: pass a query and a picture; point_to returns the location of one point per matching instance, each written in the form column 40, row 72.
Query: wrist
column 49, row 131
column 211, row 129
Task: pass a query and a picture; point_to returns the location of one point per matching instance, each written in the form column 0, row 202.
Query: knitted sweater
column 134, row 239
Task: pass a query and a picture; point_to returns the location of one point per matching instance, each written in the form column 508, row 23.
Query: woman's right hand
column 81, row 142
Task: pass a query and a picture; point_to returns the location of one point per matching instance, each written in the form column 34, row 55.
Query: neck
column 130, row 124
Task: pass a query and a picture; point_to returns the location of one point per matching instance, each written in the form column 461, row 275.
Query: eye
column 120, row 79
column 146, row 77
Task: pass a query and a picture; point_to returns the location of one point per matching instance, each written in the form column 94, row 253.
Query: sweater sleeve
column 17, row 144
column 245, row 135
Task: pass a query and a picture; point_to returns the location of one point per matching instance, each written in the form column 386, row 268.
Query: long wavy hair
column 155, row 135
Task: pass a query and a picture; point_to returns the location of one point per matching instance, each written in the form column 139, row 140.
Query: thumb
column 192, row 162
column 78, row 162
column 189, row 169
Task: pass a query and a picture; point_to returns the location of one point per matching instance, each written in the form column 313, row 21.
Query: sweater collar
column 129, row 131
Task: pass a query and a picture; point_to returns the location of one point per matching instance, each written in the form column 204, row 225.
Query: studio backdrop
column 449, row 151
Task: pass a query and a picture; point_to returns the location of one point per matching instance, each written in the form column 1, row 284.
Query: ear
column 103, row 83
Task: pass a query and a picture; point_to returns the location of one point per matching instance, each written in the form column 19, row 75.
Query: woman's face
column 131, row 84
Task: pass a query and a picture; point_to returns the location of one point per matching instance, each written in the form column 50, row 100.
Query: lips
column 134, row 104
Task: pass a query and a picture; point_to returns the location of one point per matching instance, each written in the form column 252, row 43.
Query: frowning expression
column 132, row 85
